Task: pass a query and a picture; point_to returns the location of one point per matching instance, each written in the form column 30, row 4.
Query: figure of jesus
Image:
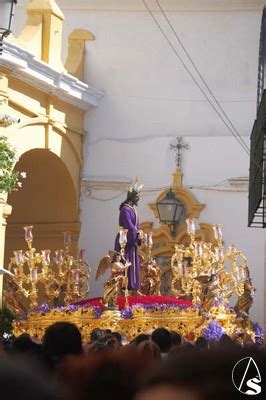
column 128, row 219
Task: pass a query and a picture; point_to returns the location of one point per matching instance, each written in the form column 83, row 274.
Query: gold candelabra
column 123, row 243
column 36, row 273
column 209, row 274
column 151, row 281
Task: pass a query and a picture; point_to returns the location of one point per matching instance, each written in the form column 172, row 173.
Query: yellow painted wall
column 48, row 140
column 49, row 143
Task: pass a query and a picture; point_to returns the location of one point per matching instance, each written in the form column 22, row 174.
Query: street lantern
column 7, row 8
column 171, row 211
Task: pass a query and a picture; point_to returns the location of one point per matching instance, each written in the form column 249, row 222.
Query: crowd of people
column 157, row 366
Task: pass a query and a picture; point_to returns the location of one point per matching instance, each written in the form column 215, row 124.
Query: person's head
column 201, row 343
column 118, row 257
column 103, row 374
column 95, row 334
column 225, row 340
column 162, row 337
column 61, row 339
column 132, row 199
column 118, row 337
column 24, row 379
column 176, row 339
column 149, row 350
column 140, row 338
column 107, row 342
column 24, row 344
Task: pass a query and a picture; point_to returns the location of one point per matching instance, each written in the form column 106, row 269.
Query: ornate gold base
column 188, row 322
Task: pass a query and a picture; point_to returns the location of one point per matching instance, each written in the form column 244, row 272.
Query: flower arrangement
column 259, row 333
column 9, row 179
column 213, row 331
column 6, row 319
column 148, row 303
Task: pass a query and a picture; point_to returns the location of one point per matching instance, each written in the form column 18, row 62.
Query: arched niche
column 47, row 200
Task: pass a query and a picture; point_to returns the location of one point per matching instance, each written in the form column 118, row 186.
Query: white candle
column 67, row 238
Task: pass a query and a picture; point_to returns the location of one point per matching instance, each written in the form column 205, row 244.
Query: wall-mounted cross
column 178, row 149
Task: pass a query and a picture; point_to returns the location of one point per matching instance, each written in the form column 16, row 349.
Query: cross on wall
column 178, row 149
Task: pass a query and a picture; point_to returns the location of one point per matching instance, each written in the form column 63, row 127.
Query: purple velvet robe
column 129, row 220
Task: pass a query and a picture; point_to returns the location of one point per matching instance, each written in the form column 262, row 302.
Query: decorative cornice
column 229, row 185
column 27, row 68
column 102, row 183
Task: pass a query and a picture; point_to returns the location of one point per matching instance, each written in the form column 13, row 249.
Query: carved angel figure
column 212, row 292
column 118, row 279
column 152, row 278
column 245, row 293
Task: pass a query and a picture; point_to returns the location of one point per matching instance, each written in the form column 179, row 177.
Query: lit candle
column 179, row 249
column 149, row 239
column 231, row 250
column 46, row 256
column 81, row 253
column 59, row 256
column 217, row 232
column 145, row 239
column 67, row 238
column 219, row 253
column 123, row 236
column 191, row 229
column 19, row 257
column 181, row 268
column 198, row 249
column 76, row 277
column 28, row 232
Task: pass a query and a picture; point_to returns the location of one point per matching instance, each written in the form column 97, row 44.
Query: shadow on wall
column 47, row 200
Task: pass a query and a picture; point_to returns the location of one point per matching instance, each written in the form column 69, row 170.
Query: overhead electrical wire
column 200, row 75
column 240, row 141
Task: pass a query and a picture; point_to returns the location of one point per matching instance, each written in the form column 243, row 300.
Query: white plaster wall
column 150, row 99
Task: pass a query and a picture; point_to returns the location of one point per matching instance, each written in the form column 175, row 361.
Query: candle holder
column 123, row 243
column 35, row 273
column 207, row 273
column 151, row 282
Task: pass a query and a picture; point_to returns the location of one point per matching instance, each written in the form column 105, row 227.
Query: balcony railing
column 257, row 193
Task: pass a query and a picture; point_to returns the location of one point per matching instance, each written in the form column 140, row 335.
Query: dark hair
column 176, row 338
column 61, row 339
column 118, row 336
column 163, row 338
column 130, row 196
column 111, row 374
column 24, row 344
column 140, row 338
column 95, row 334
column 201, row 343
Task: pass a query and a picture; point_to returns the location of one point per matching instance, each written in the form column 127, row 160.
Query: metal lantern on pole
column 7, row 8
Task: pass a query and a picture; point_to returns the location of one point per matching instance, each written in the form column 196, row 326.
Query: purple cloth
column 128, row 219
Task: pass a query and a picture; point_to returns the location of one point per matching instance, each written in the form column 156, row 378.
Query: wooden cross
column 178, row 148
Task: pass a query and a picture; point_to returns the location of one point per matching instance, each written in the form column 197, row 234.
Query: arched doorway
column 47, row 200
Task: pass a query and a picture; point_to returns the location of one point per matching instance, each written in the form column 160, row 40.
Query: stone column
column 5, row 211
